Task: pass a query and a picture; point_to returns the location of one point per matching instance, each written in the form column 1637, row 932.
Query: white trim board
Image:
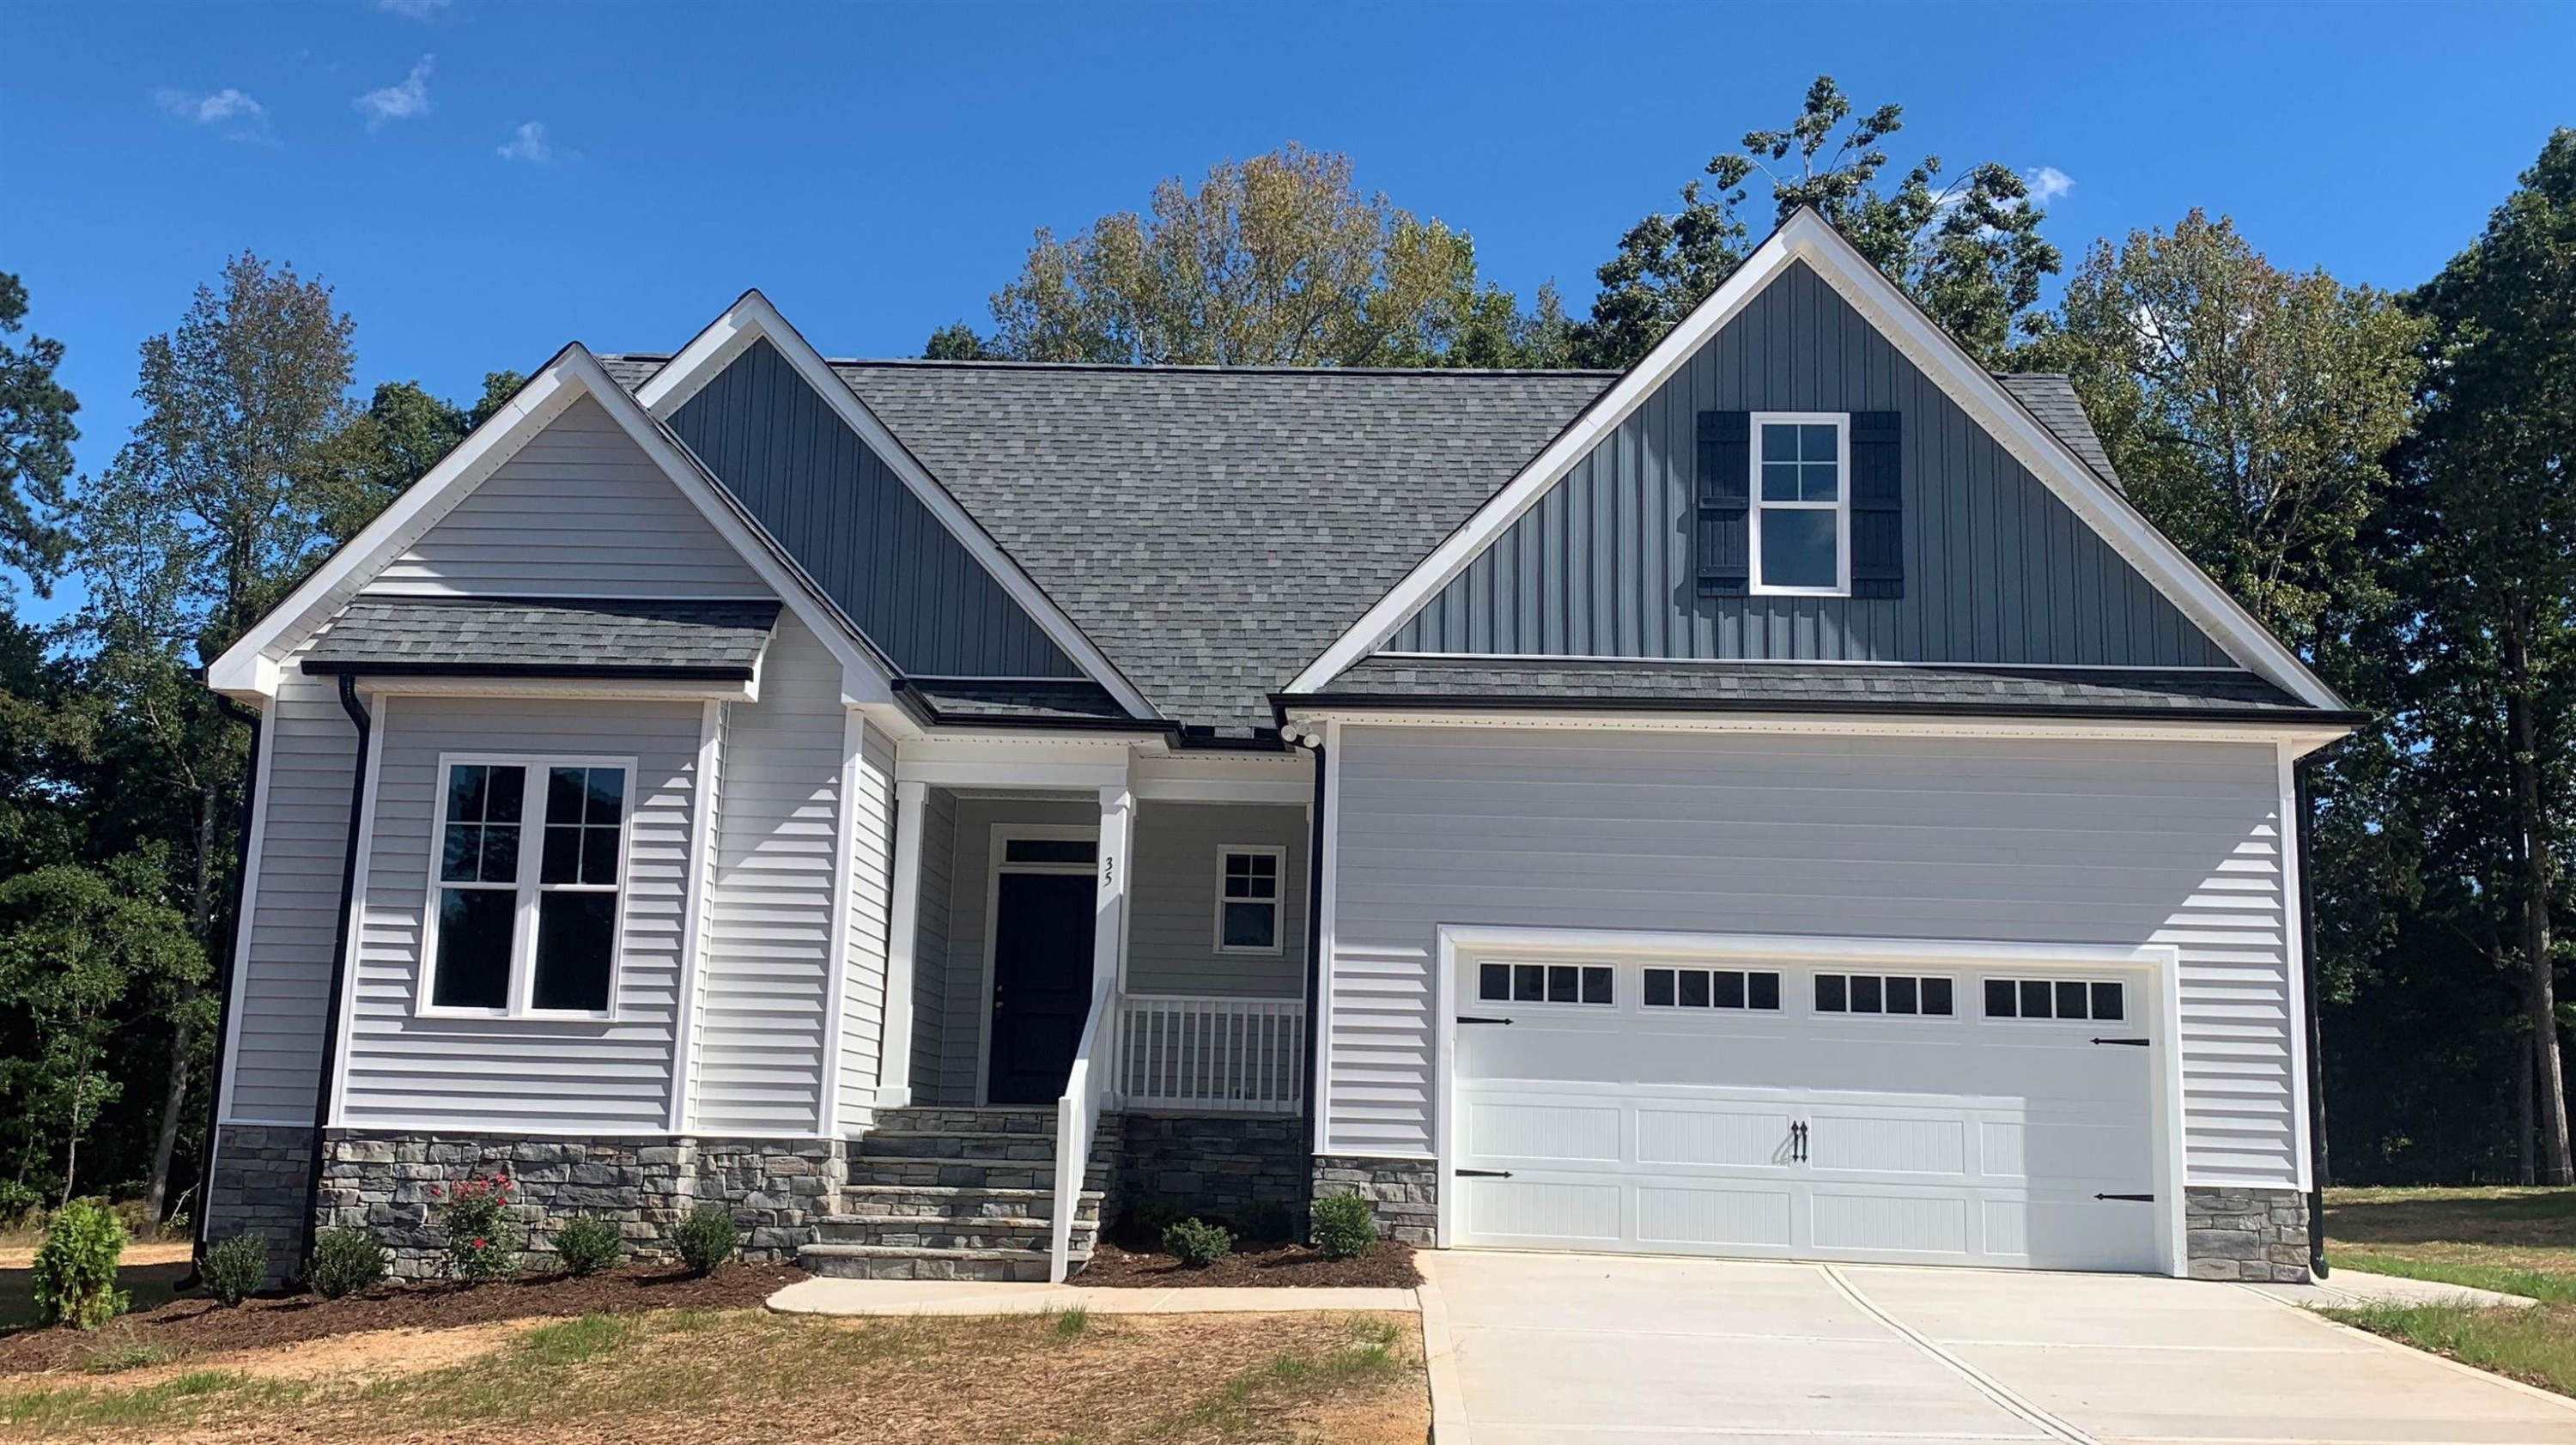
column 2302, row 739
column 1806, row 236
column 752, row 318
column 251, row 665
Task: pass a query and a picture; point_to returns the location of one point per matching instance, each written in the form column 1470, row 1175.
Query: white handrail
column 1077, row 1114
column 1212, row 1053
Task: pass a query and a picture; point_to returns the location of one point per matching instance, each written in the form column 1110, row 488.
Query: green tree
column 235, row 483
column 1274, row 261
column 405, row 431
column 2488, row 534
column 1968, row 250
column 36, row 436
column 80, row 960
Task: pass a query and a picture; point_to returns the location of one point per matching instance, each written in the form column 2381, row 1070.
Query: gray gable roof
column 553, row 637
column 2050, row 396
column 1214, row 529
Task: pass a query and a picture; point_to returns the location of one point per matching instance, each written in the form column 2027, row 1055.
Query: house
column 1780, row 800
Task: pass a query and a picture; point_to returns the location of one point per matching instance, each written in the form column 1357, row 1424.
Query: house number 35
column 1109, row 871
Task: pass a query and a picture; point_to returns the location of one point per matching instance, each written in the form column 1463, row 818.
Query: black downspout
column 224, row 980
column 2304, row 786
column 1314, row 963
column 339, row 965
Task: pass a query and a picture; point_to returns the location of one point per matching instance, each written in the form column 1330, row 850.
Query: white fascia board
column 1803, row 948
column 752, row 318
column 2302, row 738
column 1806, row 236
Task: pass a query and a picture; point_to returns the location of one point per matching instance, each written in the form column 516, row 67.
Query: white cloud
column 399, row 102
column 242, row 117
column 412, row 9
column 529, row 144
column 2047, row 183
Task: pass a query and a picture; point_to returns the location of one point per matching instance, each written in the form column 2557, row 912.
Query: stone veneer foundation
column 775, row 1188
column 1405, row 1191
column 2246, row 1234
column 1212, row 1165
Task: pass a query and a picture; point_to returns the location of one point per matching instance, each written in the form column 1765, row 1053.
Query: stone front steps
column 954, row 1194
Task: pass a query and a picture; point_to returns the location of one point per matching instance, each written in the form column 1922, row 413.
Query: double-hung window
column 531, row 867
column 1801, row 503
column 1247, row 905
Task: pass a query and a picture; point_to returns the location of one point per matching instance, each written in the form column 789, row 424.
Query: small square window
column 1596, row 984
column 1561, row 984
column 2002, row 999
column 1659, row 987
column 1529, row 983
column 1695, row 988
column 1936, row 997
column 2107, row 1003
column 1762, row 990
column 2038, row 1000
column 2072, row 1000
column 1831, row 995
column 1727, row 989
column 1494, row 982
column 1865, row 993
column 1900, row 995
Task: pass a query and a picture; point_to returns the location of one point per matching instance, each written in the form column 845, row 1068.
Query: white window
column 1882, row 993
column 1712, row 988
column 2087, row 1000
column 530, row 866
column 1247, row 902
column 1801, row 503
column 1588, row 983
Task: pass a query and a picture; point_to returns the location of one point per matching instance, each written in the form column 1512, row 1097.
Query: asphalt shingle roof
column 959, row 699
column 1833, row 687
column 557, row 636
column 2050, row 396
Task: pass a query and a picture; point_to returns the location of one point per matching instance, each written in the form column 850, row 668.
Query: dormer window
column 1801, row 503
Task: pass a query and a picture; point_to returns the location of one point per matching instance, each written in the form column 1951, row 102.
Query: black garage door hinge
column 2131, row 1198
column 1482, row 1173
column 2132, row 1043
column 1469, row 1019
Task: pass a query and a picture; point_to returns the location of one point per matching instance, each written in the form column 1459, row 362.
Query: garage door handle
column 1469, row 1019
column 2132, row 1043
column 2130, row 1198
column 1482, row 1173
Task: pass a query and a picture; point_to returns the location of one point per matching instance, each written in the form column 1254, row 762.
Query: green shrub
column 234, row 1268
column 1268, row 1222
column 706, row 1238
column 17, row 1201
column 75, row 1275
column 585, row 1246
column 482, row 1239
column 345, row 1261
column 1197, row 1243
column 1345, row 1226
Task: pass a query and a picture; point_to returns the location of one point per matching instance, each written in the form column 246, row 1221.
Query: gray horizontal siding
column 579, row 510
column 970, row 905
column 281, row 989
column 863, row 957
column 1997, row 570
column 1171, row 929
column 930, row 947
column 760, row 1037
column 1956, row 839
column 857, row 529
column 543, row 1075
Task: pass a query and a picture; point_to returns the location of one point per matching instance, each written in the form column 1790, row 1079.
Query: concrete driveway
column 1590, row 1348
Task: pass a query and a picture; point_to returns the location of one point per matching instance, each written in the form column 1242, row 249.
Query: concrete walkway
column 966, row 1297
column 1587, row 1348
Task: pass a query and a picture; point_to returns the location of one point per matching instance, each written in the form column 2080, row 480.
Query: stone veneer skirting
column 2246, row 1234
column 1405, row 1191
column 1212, row 1165
column 776, row 1188
column 261, row 1171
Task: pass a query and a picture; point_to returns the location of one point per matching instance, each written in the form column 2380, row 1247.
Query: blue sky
column 878, row 170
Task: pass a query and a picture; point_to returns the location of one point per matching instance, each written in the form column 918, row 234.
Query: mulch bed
column 1388, row 1266
column 198, row 1326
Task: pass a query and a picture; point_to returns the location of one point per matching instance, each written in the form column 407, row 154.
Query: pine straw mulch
column 1388, row 1265
column 197, row 1325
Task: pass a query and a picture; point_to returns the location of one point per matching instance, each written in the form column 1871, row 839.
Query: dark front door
column 1041, row 983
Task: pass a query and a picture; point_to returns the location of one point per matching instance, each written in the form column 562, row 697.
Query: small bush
column 1268, row 1222
column 1197, row 1243
column 17, row 1201
column 585, row 1246
column 345, row 1261
column 234, row 1268
column 75, row 1275
column 706, row 1238
column 482, row 1239
column 1345, row 1226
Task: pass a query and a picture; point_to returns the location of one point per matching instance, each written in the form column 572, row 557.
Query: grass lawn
column 686, row 1375
column 2520, row 1241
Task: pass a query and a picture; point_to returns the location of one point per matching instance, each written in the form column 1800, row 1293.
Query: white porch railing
column 1226, row 1055
column 1077, row 1114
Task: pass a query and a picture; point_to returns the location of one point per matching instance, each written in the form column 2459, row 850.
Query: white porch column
column 903, row 927
column 1117, row 843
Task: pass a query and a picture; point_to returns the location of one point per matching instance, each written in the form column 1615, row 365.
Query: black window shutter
column 1725, row 494
column 1877, row 504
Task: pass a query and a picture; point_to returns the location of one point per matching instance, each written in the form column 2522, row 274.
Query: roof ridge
column 1122, row 368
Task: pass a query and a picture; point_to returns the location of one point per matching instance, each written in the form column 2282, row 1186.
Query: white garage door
column 1931, row 1115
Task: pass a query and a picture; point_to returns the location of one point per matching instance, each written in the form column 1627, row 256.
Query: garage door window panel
column 1700, row 988
column 2065, row 1000
column 1884, row 995
column 1567, row 983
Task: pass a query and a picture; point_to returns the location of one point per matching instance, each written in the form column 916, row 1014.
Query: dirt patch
column 1388, row 1266
column 159, row 1251
column 195, row 1327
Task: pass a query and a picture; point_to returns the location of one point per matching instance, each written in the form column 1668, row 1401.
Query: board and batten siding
column 580, row 510
column 1962, row 839
column 1997, row 570
column 856, row 528
column 762, row 989
column 283, row 980
column 1171, row 926
column 930, row 945
column 863, row 953
column 521, row 1075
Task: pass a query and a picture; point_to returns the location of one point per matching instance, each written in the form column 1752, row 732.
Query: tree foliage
column 36, row 436
column 1968, row 250
column 1276, row 261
